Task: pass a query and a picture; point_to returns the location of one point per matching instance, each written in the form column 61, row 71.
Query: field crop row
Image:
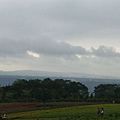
column 87, row 112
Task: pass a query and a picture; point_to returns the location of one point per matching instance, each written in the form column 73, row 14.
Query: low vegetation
column 58, row 100
column 77, row 112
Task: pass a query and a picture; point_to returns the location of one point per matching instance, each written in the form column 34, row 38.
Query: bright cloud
column 34, row 54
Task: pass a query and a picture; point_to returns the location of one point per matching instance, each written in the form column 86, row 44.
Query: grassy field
column 77, row 112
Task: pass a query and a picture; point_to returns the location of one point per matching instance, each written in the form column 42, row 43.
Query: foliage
column 107, row 92
column 57, row 90
column 44, row 90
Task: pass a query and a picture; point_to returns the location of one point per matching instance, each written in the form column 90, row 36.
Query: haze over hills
column 53, row 74
column 8, row 77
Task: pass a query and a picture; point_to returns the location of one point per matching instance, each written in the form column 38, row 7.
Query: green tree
column 106, row 92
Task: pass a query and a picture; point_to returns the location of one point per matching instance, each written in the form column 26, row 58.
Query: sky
column 80, row 36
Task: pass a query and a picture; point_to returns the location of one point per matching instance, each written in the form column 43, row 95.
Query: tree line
column 57, row 90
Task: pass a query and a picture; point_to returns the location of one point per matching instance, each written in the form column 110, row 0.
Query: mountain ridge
column 53, row 74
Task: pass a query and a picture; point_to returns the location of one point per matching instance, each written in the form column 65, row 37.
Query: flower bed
column 18, row 104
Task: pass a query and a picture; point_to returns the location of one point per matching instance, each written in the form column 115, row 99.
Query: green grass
column 86, row 112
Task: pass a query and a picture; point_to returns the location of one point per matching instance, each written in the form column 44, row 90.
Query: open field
column 65, row 112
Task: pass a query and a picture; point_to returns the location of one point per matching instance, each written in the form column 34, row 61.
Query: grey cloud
column 85, row 18
column 59, row 18
column 62, row 32
column 104, row 51
column 46, row 46
column 57, row 48
column 10, row 47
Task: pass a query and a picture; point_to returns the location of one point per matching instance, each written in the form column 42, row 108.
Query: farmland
column 61, row 111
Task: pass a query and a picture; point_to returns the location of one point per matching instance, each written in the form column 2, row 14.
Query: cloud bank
column 60, row 35
column 53, row 48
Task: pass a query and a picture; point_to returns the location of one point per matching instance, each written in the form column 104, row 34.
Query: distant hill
column 88, row 81
column 9, row 79
column 52, row 74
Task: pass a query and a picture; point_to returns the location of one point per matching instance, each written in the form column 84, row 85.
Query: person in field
column 4, row 116
column 102, row 111
column 98, row 111
column 0, row 116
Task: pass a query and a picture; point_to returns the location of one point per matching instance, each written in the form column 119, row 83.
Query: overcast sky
column 60, row 35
